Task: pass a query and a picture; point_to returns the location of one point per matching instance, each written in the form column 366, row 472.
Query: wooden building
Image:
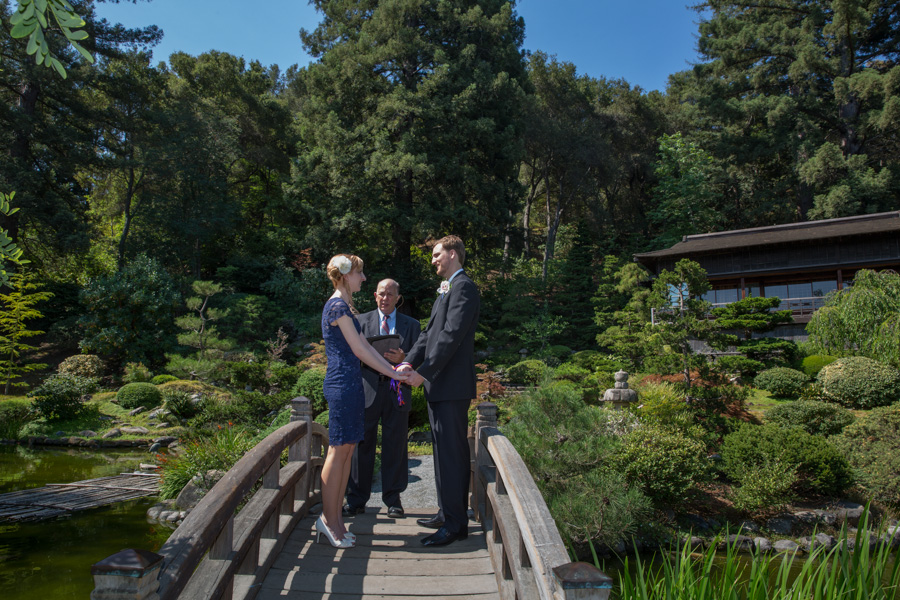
column 798, row 262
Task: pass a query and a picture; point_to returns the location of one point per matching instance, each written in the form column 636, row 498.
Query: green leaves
column 31, row 21
column 9, row 252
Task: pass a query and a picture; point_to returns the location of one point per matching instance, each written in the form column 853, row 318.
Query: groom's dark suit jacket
column 445, row 352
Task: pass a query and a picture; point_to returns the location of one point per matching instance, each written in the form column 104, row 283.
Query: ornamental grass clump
column 860, row 570
column 219, row 452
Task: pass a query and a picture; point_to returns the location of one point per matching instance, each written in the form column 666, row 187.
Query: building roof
column 792, row 233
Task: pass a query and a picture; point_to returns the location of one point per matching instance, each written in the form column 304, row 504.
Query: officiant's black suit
column 381, row 405
column 445, row 356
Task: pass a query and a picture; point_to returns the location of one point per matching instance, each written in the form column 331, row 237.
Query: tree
column 17, row 308
column 745, row 317
column 9, row 252
column 410, row 126
column 680, row 311
column 861, row 320
column 199, row 331
column 623, row 310
column 130, row 315
column 798, row 102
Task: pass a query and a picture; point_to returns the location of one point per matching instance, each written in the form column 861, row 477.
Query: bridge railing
column 529, row 558
column 218, row 551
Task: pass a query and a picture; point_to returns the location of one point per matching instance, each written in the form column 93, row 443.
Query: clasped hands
column 413, row 378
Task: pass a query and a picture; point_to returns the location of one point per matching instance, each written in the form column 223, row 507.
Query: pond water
column 50, row 560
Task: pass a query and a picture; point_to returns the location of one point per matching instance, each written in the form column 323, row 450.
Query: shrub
column 818, row 418
column 587, row 359
column 531, row 372
column 14, row 414
column 570, row 372
column 811, row 365
column 282, row 377
column 587, row 496
column 661, row 402
column 310, row 385
column 136, row 372
column 765, row 486
column 872, row 445
column 244, row 374
column 322, row 418
column 82, row 365
column 781, row 382
column 605, row 380
column 181, row 404
column 663, row 462
column 220, row 452
column 133, row 395
column 60, row 397
column 860, row 383
column 418, row 409
column 821, row 468
column 161, row 379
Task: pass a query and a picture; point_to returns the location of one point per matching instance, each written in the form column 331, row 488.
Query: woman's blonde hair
column 337, row 278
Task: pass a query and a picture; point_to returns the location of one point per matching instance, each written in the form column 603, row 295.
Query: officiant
column 395, row 334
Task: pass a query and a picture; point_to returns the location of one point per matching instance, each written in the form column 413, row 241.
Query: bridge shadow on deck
column 387, row 563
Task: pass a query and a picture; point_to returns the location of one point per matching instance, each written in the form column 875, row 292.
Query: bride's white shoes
column 322, row 529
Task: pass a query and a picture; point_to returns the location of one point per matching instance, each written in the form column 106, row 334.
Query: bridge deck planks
column 388, row 563
column 58, row 499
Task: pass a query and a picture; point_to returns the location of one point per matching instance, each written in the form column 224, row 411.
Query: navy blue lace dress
column 343, row 380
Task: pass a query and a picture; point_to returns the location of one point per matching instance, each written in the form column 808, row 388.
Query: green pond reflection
column 50, row 560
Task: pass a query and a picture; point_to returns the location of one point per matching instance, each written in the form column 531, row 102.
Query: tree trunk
column 553, row 219
column 20, row 148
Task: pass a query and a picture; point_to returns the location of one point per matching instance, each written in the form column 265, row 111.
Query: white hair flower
column 343, row 264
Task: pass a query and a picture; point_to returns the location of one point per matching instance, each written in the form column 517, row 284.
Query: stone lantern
column 620, row 396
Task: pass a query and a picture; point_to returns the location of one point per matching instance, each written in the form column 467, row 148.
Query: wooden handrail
column 527, row 551
column 216, row 553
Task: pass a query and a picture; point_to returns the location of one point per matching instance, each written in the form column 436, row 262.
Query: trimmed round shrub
column 133, row 395
column 663, row 462
column 61, row 397
column 161, row 379
column 587, row 359
column 872, row 445
column 571, row 372
column 82, row 365
column 531, row 372
column 781, row 382
column 310, row 385
column 766, row 486
column 860, row 383
column 815, row 417
column 811, row 365
column 322, row 418
column 14, row 414
column 821, row 467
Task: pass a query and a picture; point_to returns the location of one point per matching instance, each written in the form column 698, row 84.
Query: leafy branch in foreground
column 33, row 18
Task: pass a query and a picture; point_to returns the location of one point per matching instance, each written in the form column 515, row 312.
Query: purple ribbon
column 395, row 387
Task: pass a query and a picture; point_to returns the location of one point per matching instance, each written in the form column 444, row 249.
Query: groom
column 444, row 360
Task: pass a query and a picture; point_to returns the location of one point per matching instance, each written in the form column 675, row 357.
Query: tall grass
column 869, row 572
column 219, row 452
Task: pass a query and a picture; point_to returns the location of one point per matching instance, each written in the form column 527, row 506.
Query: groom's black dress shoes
column 444, row 536
column 435, row 522
column 350, row 511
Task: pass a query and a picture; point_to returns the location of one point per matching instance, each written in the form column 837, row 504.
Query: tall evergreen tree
column 411, row 124
column 799, row 101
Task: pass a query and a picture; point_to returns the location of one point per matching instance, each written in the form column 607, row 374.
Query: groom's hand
column 415, row 379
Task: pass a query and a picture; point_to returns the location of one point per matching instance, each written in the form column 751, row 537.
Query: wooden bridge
column 60, row 499
column 266, row 549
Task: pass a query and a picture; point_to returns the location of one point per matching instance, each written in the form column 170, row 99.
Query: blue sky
column 641, row 41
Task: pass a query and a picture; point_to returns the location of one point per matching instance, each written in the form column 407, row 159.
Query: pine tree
column 17, row 308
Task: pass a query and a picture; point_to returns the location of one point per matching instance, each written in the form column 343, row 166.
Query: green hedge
column 137, row 394
column 860, row 383
column 309, row 384
column 781, row 382
column 818, row 418
column 811, row 365
column 821, row 468
column 61, row 396
column 531, row 372
column 872, row 445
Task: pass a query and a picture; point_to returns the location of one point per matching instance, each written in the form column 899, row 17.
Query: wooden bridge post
column 301, row 410
column 481, row 459
column 127, row 575
column 580, row 580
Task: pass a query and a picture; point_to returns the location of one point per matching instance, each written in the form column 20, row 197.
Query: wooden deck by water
column 388, row 563
column 58, row 499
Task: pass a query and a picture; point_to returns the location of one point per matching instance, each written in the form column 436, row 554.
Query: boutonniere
column 444, row 288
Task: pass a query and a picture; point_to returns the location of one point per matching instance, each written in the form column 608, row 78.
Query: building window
column 821, row 288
